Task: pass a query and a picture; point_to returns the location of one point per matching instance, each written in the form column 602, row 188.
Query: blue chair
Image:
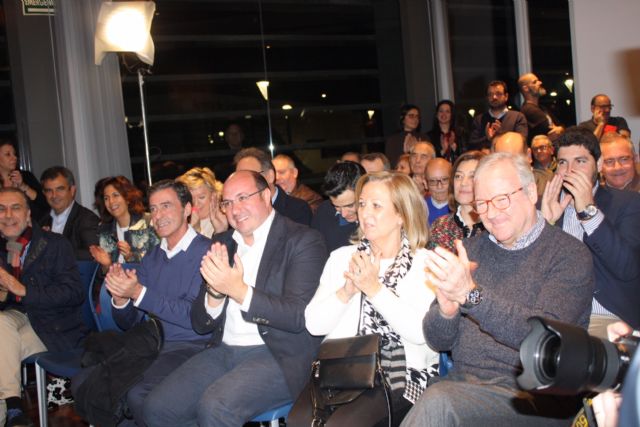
column 88, row 271
column 64, row 363
column 103, row 317
column 446, row 364
column 274, row 415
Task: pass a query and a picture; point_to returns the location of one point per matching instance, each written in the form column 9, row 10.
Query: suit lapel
column 70, row 220
column 273, row 248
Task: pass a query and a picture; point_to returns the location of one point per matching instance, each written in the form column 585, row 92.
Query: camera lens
column 549, row 357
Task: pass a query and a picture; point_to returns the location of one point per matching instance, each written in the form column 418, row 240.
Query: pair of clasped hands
column 447, row 274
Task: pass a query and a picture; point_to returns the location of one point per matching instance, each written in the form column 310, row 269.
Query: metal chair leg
column 41, row 385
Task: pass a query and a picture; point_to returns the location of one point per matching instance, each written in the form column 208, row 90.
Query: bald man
column 437, row 175
column 539, row 120
column 515, row 143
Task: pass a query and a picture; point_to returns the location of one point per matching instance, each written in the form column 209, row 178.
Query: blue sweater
column 434, row 212
column 172, row 285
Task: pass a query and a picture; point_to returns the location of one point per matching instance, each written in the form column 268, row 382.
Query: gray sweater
column 552, row 278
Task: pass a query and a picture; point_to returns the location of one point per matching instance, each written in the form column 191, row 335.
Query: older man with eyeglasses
column 601, row 121
column 437, row 175
column 619, row 163
column 484, row 296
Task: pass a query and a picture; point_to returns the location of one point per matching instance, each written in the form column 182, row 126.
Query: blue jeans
column 220, row 386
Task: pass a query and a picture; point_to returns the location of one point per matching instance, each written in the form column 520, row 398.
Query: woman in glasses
column 206, row 217
column 463, row 222
column 377, row 286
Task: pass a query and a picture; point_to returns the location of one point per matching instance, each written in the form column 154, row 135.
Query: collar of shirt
column 182, row 245
column 527, row 238
column 259, row 235
column 275, row 195
column 59, row 221
column 499, row 116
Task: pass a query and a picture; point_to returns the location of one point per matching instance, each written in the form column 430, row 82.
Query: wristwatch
column 589, row 212
column 474, row 297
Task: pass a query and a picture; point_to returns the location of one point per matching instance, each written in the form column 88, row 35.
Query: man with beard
column 540, row 121
column 607, row 220
column 499, row 119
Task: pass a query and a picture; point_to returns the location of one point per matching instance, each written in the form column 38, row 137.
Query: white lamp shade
column 263, row 86
column 125, row 27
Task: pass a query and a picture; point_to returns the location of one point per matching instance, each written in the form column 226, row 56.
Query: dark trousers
column 172, row 355
column 220, row 386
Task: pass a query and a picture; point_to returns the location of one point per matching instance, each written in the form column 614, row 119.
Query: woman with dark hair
column 409, row 134
column 463, row 222
column 444, row 135
column 125, row 233
column 25, row 181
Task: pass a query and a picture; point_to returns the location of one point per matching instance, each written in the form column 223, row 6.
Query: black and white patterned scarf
column 399, row 376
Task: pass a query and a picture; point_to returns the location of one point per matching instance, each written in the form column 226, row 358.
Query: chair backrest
column 102, row 313
column 88, row 270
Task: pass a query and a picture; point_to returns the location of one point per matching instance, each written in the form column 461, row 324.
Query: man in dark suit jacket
column 606, row 220
column 41, row 296
column 258, row 281
column 254, row 159
column 75, row 222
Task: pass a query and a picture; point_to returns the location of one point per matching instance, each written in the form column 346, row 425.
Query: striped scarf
column 398, row 375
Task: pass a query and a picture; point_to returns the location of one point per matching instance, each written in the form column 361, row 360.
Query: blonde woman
column 206, row 217
column 377, row 286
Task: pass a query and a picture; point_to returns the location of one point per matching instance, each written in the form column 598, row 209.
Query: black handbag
column 345, row 368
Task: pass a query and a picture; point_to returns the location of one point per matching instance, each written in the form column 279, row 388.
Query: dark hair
column 403, row 112
column 56, row 171
column 16, row 191
column 370, row 157
column 182, row 191
column 498, row 83
column 260, row 155
column 436, row 124
column 4, row 141
column 342, row 176
column 464, row 157
column 579, row 136
column 129, row 192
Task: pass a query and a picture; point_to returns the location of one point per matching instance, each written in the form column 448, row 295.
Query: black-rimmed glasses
column 500, row 202
column 226, row 203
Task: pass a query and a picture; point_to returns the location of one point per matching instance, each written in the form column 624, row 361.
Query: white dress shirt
column 237, row 331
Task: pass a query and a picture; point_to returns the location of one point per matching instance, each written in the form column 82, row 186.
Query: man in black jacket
column 41, row 296
column 75, row 222
column 258, row 281
column 254, row 159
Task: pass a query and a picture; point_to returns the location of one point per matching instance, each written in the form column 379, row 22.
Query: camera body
column 564, row 359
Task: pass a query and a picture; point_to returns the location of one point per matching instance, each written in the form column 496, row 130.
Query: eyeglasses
column 542, row 148
column 624, row 161
column 438, row 182
column 605, row 106
column 500, row 202
column 227, row 204
column 413, row 116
